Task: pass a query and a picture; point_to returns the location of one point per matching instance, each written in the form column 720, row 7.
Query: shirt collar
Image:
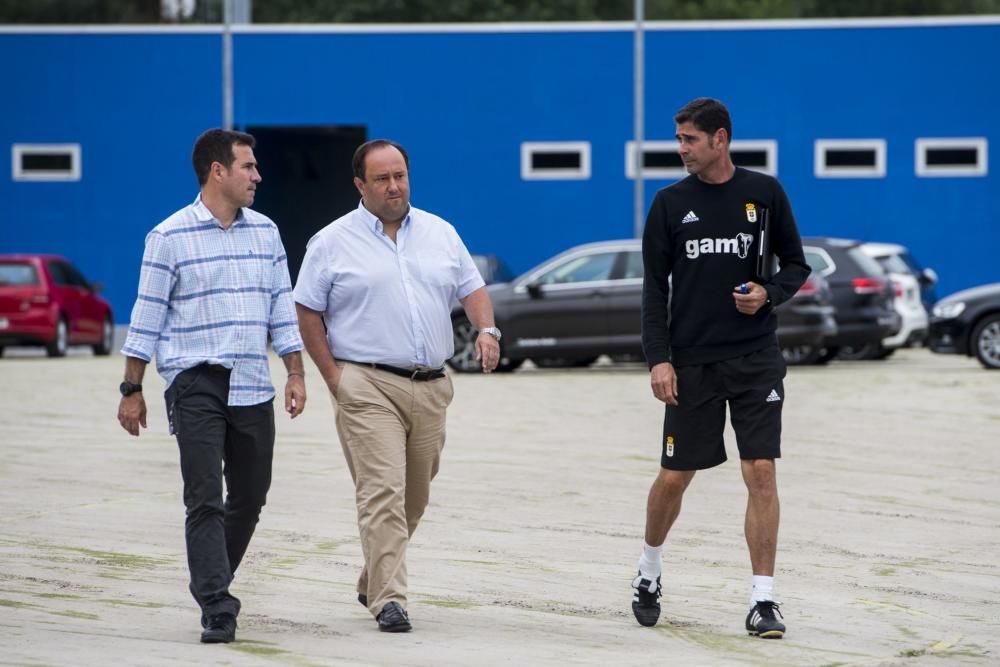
column 372, row 221
column 202, row 213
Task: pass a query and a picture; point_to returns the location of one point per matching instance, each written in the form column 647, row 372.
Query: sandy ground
column 888, row 549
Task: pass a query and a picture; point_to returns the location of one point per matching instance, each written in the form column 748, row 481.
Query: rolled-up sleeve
column 156, row 281
column 283, row 324
column 469, row 278
column 312, row 289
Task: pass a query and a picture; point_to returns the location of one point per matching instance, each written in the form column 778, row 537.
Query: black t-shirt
column 702, row 238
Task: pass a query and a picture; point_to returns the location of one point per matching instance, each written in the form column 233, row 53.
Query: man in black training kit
column 713, row 341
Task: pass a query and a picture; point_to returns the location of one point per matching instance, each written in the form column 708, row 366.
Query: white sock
column 763, row 588
column 651, row 561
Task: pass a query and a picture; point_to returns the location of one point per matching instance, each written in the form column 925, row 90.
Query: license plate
column 4, row 323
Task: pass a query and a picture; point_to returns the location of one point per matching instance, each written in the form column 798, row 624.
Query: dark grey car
column 586, row 302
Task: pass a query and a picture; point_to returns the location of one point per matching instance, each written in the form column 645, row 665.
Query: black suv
column 587, row 301
column 862, row 297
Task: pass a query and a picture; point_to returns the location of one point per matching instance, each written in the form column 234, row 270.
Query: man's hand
column 749, row 298
column 664, row 382
column 132, row 413
column 487, row 351
column 295, row 395
column 333, row 380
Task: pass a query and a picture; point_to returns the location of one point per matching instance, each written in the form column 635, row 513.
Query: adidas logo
column 690, row 217
column 773, row 396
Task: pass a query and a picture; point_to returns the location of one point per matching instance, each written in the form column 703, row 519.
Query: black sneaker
column 762, row 623
column 646, row 600
column 393, row 618
column 221, row 629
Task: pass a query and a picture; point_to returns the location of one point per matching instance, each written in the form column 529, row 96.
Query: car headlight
column 948, row 310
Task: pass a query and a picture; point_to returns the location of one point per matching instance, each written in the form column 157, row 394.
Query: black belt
column 419, row 375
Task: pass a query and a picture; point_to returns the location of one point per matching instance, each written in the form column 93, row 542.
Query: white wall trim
column 649, row 173
column 531, row 173
column 74, row 173
column 821, row 170
column 979, row 144
column 560, row 26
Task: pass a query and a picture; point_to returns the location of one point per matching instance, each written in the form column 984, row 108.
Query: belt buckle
column 415, row 373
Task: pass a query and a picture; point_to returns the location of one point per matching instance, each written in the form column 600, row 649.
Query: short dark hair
column 358, row 162
column 707, row 114
column 216, row 145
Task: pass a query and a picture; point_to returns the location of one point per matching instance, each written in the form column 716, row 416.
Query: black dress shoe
column 221, row 629
column 363, row 599
column 393, row 619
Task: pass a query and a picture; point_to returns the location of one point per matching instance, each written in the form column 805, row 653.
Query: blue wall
column 462, row 103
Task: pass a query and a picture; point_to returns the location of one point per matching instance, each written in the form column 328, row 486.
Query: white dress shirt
column 386, row 302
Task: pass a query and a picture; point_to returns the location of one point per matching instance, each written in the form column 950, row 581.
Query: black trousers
column 217, row 442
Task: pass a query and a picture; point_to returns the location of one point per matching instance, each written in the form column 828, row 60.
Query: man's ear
column 217, row 170
column 360, row 185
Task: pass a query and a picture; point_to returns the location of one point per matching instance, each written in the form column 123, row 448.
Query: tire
column 985, row 341
column 802, row 355
column 862, row 352
column 464, row 360
column 827, row 355
column 563, row 362
column 103, row 348
column 59, row 344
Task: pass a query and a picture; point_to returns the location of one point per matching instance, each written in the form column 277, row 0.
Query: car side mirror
column 928, row 277
column 534, row 290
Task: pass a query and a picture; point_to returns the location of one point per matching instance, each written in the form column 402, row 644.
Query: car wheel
column 59, row 344
column 563, row 362
column 464, row 360
column 103, row 348
column 986, row 342
column 827, row 355
column 860, row 352
column 508, row 365
column 801, row 355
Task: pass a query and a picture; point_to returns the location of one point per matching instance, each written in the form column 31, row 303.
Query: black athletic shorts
column 753, row 387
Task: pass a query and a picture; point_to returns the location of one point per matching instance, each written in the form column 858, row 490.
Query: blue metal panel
column 462, row 103
column 135, row 103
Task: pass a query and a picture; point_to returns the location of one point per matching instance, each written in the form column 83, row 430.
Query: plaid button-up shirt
column 212, row 295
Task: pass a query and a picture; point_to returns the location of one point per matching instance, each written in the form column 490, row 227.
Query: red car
column 45, row 300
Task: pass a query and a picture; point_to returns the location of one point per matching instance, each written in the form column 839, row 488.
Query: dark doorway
column 308, row 181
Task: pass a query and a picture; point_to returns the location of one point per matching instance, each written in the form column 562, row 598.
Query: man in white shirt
column 374, row 298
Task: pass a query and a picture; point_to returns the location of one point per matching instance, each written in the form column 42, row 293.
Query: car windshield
column 18, row 274
column 583, row 268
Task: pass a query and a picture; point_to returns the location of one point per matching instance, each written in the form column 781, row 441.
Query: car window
column 633, row 265
column 580, row 269
column 894, row 264
column 18, row 274
column 74, row 277
column 59, row 276
column 868, row 265
column 819, row 261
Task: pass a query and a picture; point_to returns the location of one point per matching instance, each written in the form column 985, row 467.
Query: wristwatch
column 493, row 331
column 128, row 388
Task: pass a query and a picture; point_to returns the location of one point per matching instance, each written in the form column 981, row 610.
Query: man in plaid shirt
column 213, row 285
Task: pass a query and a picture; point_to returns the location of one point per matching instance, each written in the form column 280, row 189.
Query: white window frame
column 980, row 144
column 769, row 146
column 652, row 172
column 821, row 169
column 530, row 148
column 17, row 151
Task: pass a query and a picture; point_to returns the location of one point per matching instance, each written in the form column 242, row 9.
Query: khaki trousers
column 392, row 430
